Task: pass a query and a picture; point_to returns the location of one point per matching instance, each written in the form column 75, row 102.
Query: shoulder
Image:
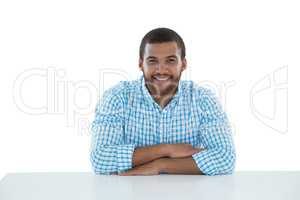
column 120, row 93
column 200, row 96
column 195, row 91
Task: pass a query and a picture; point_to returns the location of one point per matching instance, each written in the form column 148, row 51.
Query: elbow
column 99, row 164
column 227, row 163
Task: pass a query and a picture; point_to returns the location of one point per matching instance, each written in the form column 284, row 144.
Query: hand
column 151, row 168
column 182, row 150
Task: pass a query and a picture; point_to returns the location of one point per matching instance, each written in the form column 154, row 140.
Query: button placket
column 161, row 127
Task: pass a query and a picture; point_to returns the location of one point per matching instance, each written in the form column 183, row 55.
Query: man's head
column 162, row 60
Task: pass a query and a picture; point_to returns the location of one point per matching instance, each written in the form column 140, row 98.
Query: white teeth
column 162, row 78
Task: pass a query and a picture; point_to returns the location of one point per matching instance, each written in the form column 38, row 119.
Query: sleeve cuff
column 205, row 163
column 124, row 157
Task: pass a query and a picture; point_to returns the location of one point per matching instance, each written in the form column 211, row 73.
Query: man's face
column 162, row 67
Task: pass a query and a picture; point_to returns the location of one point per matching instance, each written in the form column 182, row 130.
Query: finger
column 129, row 173
column 126, row 174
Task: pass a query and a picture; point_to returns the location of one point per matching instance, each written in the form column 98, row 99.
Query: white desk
column 75, row 186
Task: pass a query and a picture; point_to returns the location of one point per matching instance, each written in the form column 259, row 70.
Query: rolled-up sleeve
column 218, row 156
column 109, row 154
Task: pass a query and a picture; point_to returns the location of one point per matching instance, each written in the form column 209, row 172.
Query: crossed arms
column 111, row 155
column 164, row 158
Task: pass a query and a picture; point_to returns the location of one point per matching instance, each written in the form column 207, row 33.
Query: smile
column 161, row 77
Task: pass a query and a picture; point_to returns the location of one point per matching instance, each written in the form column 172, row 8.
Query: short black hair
column 160, row 35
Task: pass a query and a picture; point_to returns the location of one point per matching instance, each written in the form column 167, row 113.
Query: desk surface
column 75, row 186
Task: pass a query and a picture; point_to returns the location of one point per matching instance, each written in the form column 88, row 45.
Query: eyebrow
column 153, row 57
column 172, row 56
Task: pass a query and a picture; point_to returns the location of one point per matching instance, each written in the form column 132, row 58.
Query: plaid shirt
column 127, row 117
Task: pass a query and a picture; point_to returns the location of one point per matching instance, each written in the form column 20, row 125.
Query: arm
column 178, row 166
column 179, row 161
column 219, row 156
column 109, row 154
column 146, row 154
column 166, row 165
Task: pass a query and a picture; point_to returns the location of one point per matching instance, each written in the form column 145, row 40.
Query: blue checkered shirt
column 127, row 117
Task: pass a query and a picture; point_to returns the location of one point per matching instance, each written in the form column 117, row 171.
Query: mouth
column 162, row 77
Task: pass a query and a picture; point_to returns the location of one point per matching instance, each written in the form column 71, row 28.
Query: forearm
column 144, row 155
column 178, row 166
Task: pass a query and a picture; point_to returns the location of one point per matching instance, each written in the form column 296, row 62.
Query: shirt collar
column 150, row 99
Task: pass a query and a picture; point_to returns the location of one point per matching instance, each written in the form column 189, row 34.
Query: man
column 160, row 124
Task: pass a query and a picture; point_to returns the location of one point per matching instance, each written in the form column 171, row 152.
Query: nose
column 161, row 68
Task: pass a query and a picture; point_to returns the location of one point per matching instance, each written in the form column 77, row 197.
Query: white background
column 57, row 56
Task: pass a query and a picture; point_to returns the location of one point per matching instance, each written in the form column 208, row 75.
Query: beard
column 162, row 86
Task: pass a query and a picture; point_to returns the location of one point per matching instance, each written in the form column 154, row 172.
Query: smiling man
column 159, row 123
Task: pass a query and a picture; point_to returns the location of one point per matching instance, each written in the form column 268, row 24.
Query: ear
column 141, row 64
column 184, row 64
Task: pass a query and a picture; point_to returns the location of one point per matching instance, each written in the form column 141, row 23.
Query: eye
column 171, row 60
column 152, row 61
